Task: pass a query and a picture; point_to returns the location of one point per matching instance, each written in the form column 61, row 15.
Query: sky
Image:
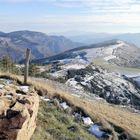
column 62, row 16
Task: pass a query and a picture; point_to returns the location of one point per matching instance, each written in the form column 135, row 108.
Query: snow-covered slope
column 114, row 51
column 100, row 83
column 108, row 85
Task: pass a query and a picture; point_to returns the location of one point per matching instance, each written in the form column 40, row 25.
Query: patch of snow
column 6, row 81
column 99, row 98
column 87, row 120
column 74, row 66
column 1, row 86
column 120, row 42
column 76, row 95
column 64, row 105
column 107, row 82
column 93, row 53
column 19, row 66
column 71, row 82
column 84, row 83
column 58, row 74
column 9, row 96
column 45, row 99
column 88, row 78
column 18, row 94
column 132, row 75
column 107, row 94
column 106, row 51
column 95, row 130
column 109, row 57
column 78, row 57
column 24, row 88
column 118, row 81
column 65, row 61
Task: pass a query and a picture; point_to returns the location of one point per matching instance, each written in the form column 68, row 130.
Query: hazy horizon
column 58, row 16
column 72, row 33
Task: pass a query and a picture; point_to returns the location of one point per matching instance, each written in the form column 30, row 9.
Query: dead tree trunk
column 26, row 70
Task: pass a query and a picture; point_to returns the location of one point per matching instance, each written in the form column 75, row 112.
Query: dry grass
column 97, row 110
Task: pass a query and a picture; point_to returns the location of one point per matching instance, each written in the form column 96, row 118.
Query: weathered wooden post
column 26, row 70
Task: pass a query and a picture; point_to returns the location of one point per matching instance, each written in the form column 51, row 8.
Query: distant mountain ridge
column 14, row 44
column 114, row 51
column 90, row 38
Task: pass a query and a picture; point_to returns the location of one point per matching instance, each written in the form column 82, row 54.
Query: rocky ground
column 59, row 118
column 18, row 110
column 56, row 119
column 95, row 81
column 125, row 120
column 110, row 86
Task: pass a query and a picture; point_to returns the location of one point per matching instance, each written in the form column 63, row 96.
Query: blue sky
column 58, row 16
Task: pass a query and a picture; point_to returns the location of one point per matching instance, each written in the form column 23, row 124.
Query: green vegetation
column 33, row 70
column 53, row 123
column 7, row 65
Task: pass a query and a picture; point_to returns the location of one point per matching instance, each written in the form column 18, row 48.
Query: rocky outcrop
column 18, row 110
column 110, row 86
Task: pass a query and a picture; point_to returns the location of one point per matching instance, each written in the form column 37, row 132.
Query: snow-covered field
column 74, row 66
column 106, row 53
column 109, row 57
column 132, row 75
column 66, row 67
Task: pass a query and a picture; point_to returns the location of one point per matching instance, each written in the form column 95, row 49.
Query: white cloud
column 55, row 23
column 92, row 6
column 99, row 6
column 90, row 15
column 124, row 19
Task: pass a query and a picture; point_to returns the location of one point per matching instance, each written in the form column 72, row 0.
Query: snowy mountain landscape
column 108, row 70
column 106, row 75
column 69, row 69
column 114, row 51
